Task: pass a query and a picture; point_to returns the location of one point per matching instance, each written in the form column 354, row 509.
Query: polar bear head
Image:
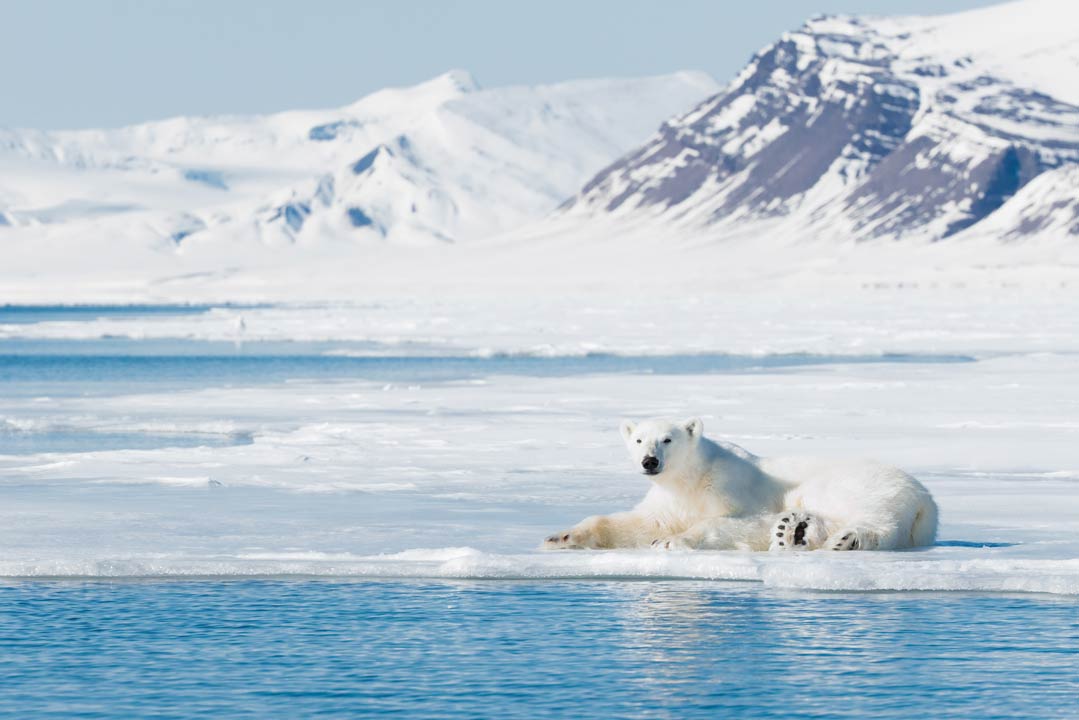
column 662, row 446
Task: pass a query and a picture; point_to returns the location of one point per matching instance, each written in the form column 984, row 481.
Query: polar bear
column 716, row 495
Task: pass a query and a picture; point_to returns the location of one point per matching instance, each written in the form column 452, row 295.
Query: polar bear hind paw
column 853, row 538
column 674, row 542
column 844, row 540
column 795, row 531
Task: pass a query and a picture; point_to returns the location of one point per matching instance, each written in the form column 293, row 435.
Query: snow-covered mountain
column 863, row 128
column 442, row 161
column 834, row 141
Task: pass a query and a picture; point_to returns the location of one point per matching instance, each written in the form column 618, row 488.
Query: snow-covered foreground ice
column 296, row 458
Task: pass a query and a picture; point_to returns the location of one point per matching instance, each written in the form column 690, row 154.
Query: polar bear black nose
column 650, row 463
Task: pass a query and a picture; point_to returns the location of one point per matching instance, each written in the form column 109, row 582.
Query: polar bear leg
column 797, row 530
column 721, row 533
column 625, row 529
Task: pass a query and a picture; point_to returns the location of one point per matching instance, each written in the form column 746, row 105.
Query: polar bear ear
column 626, row 428
column 694, row 428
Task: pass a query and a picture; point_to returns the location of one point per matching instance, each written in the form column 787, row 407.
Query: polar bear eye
column 666, row 441
column 638, row 441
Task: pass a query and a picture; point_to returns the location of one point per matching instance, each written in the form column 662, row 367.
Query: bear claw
column 569, row 540
column 847, row 541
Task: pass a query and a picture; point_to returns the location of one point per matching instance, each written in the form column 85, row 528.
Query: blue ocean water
column 67, row 440
column 80, row 371
column 21, row 314
column 110, row 365
column 497, row 649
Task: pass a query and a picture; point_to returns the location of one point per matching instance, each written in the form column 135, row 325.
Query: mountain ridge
column 277, row 177
column 882, row 152
column 855, row 128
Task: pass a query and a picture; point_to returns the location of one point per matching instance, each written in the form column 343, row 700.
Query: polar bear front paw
column 573, row 539
column 796, row 531
column 559, row 541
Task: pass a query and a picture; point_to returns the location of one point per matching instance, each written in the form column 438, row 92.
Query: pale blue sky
column 83, row 63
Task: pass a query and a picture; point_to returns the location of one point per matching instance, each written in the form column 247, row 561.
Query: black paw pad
column 800, row 532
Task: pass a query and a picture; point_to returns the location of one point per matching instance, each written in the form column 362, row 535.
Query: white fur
column 716, row 495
